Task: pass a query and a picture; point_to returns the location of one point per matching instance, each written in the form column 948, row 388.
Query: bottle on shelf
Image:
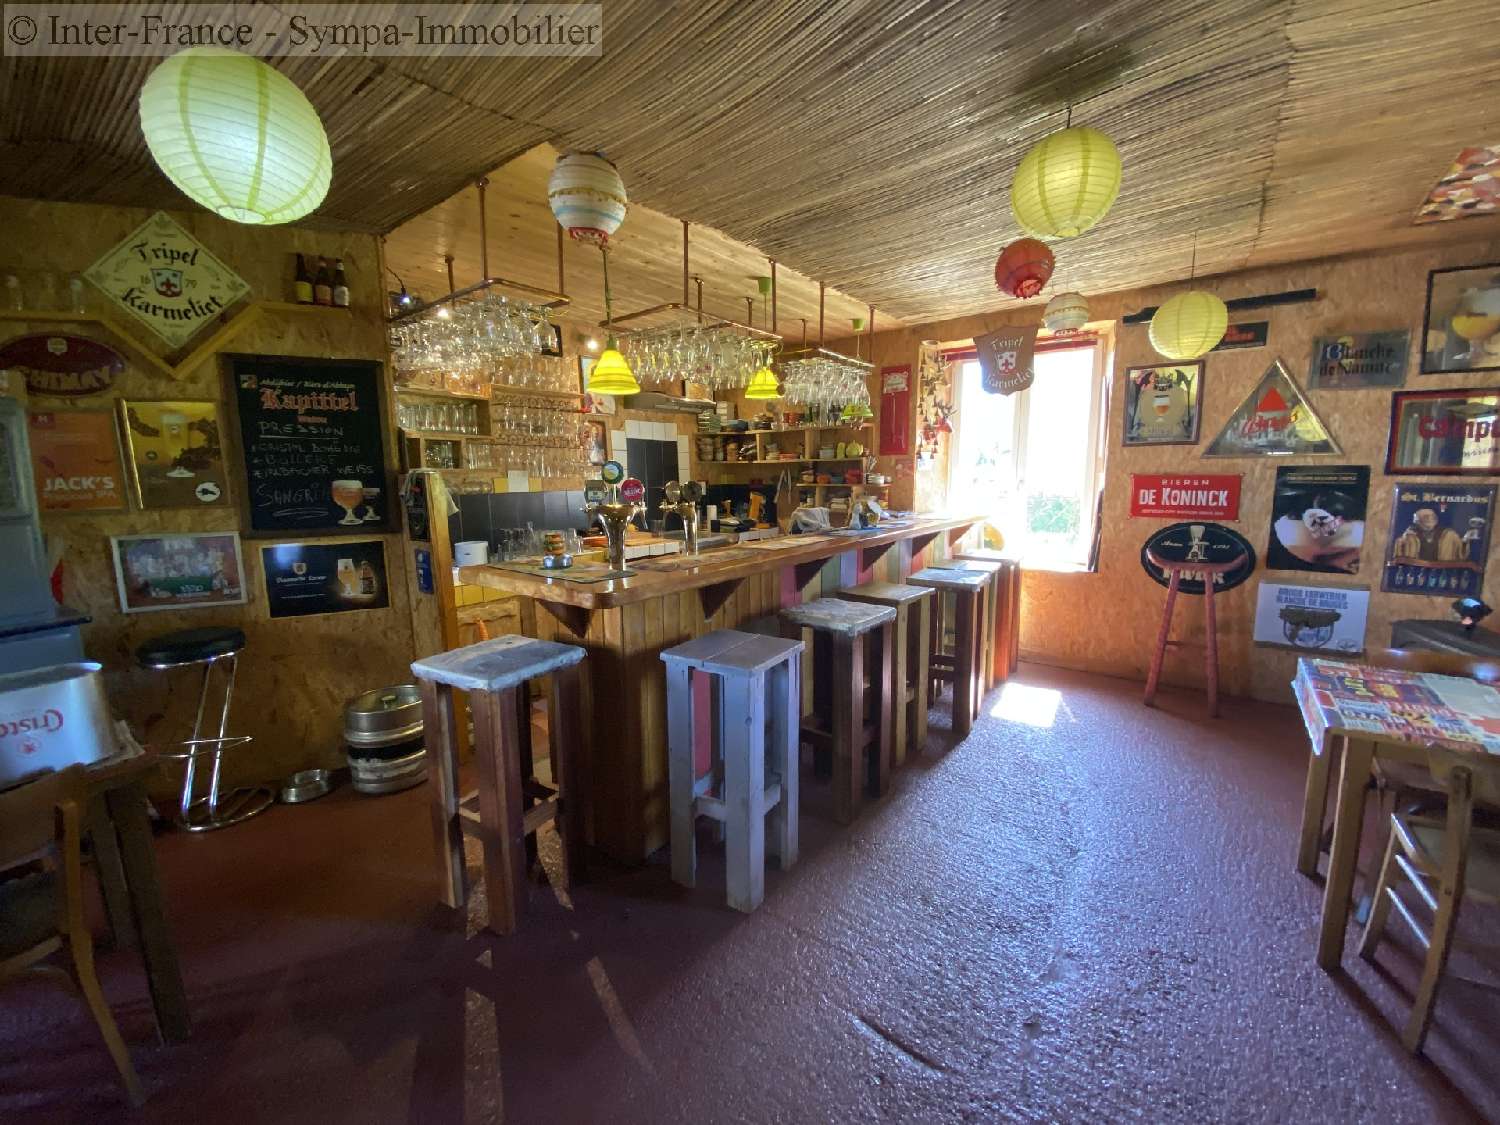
column 323, row 284
column 302, row 286
column 340, row 285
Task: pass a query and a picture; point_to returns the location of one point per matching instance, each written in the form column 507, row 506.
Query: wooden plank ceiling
column 872, row 144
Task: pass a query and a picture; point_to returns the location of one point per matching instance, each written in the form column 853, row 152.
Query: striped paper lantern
column 1023, row 268
column 1189, row 325
column 1066, row 183
column 587, row 196
column 1067, row 312
column 236, row 136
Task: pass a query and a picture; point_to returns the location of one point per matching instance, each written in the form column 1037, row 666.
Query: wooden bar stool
column 913, row 606
column 511, row 804
column 989, row 633
column 964, row 667
column 756, row 686
column 852, row 728
column 1209, row 571
column 1007, row 611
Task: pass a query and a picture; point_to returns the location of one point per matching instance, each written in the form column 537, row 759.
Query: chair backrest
column 1483, row 669
column 28, row 814
column 1483, row 784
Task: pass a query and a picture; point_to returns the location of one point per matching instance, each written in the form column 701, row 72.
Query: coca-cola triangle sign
column 1276, row 420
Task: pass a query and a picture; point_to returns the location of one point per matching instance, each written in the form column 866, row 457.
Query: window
column 1031, row 461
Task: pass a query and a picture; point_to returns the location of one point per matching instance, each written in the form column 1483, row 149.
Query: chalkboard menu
column 310, row 444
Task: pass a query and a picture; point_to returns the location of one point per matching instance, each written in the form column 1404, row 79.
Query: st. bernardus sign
column 167, row 280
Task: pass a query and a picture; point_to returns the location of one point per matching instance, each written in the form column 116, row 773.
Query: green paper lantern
column 236, row 136
column 1189, row 325
column 1066, row 183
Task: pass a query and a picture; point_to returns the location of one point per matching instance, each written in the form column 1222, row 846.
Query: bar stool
column 851, row 739
column 1007, row 610
column 1174, row 568
column 991, row 654
column 753, row 763
column 209, row 647
column 964, row 667
column 913, row 644
column 509, row 804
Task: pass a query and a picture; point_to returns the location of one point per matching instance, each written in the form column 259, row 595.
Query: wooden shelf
column 783, row 430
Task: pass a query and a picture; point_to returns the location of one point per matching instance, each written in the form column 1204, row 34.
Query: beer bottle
column 323, row 284
column 303, row 285
column 340, row 286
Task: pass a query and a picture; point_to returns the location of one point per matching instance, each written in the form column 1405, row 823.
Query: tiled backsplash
column 481, row 515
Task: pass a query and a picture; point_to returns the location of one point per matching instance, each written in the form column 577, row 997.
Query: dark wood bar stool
column 1007, row 609
column 1208, row 572
column 755, row 692
column 509, row 804
column 913, row 606
column 991, row 657
column 964, row 666
column 851, row 732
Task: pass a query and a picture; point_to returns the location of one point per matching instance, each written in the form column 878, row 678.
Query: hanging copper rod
column 773, row 294
column 484, row 238
column 750, row 311
column 699, row 282
column 684, row 261
column 448, row 261
column 870, row 331
column 821, row 287
column 562, row 284
column 804, row 331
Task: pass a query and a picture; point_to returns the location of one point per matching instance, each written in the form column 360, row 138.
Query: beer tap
column 615, row 514
column 682, row 501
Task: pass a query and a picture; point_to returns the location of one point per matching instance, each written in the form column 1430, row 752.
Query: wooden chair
column 1446, row 860
column 1480, row 668
column 41, row 912
column 913, row 656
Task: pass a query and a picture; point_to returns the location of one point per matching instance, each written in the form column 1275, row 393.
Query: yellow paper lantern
column 762, row 385
column 611, row 375
column 1066, row 183
column 1189, row 325
column 236, row 136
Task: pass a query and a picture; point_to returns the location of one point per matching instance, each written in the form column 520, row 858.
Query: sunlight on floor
column 1034, row 706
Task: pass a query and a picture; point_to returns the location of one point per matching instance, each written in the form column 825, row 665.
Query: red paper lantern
column 1023, row 268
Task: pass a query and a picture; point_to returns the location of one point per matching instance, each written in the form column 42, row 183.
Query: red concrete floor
column 1085, row 912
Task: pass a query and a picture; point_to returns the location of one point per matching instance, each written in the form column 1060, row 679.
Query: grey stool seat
column 752, row 774
column 208, row 647
column 509, row 805
column 949, row 578
column 850, row 729
column 994, row 570
column 964, row 667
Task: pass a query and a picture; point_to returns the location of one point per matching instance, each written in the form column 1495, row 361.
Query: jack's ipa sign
column 75, row 460
column 167, row 280
column 64, row 366
column 1005, row 360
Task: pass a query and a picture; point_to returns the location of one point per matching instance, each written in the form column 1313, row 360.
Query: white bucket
column 471, row 552
column 52, row 717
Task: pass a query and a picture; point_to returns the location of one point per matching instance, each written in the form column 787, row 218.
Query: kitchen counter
column 624, row 624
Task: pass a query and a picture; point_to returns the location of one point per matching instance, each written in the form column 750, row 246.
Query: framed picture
column 1318, row 518
column 592, row 404
column 175, row 453
column 1275, row 420
column 1311, row 618
column 1163, row 404
column 1461, row 326
column 188, row 571
column 1440, row 539
column 598, row 440
column 304, row 579
column 75, row 460
column 1452, row 433
column 1355, row 360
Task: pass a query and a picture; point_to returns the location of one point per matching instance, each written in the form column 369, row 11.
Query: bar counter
column 625, row 623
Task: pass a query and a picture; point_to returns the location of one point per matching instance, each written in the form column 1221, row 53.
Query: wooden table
column 120, row 832
column 1374, row 713
column 624, row 624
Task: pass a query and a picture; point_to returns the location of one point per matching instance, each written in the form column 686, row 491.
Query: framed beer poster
column 304, row 579
column 176, row 459
column 75, row 461
column 1162, row 404
column 1454, row 433
column 160, row 571
column 311, row 446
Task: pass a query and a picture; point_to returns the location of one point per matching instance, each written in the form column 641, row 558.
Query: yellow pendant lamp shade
column 762, row 385
column 236, row 136
column 611, row 375
column 1066, row 183
column 1189, row 325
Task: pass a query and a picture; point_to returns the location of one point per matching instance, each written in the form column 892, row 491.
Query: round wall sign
column 632, row 491
column 1210, row 543
column 611, row 472
column 63, row 365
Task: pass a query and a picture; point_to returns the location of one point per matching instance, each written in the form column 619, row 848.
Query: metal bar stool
column 1007, row 608
column 509, row 805
column 913, row 606
column 1209, row 572
column 851, row 735
column 964, row 666
column 753, row 764
column 991, row 648
column 208, row 647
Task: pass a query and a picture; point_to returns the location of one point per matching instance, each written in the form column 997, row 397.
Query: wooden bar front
column 625, row 624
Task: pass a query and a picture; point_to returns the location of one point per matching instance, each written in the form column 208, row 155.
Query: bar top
column 672, row 574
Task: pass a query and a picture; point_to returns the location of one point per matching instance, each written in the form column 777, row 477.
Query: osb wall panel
column 1107, row 621
column 295, row 674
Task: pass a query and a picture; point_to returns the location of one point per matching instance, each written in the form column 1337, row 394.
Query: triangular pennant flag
column 1275, row 419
